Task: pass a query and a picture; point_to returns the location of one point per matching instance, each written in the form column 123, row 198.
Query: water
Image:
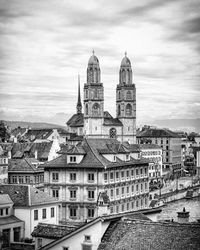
column 191, row 205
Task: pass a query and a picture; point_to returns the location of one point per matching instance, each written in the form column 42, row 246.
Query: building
column 83, row 171
column 153, row 153
column 94, row 122
column 170, row 143
column 26, row 171
column 32, row 206
column 3, row 166
column 11, row 227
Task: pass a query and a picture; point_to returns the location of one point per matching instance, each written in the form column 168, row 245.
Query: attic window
column 72, row 158
column 114, row 158
column 127, row 157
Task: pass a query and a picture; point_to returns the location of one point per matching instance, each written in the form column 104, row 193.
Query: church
column 94, row 121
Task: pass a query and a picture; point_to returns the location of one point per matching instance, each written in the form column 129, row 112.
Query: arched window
column 119, row 95
column 86, row 109
column 95, row 93
column 128, row 110
column 128, row 95
column 113, row 133
column 128, row 76
column 96, row 109
column 123, row 76
column 119, row 110
column 86, row 94
column 95, row 75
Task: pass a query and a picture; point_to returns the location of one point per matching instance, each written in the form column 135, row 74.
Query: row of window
column 3, row 160
column 129, row 189
column 154, row 174
column 4, row 211
column 73, row 212
column 44, row 213
column 122, row 174
column 151, row 153
column 21, row 179
column 139, row 203
column 128, row 95
column 73, row 194
column 72, row 177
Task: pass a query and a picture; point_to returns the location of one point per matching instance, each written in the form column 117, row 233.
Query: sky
column 45, row 44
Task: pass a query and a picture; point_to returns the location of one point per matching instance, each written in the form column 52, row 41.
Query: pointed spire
column 93, row 51
column 125, row 53
column 79, row 105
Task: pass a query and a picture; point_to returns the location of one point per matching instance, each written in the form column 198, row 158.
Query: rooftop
column 143, row 234
column 93, row 151
column 52, row 231
column 155, row 132
column 24, row 165
column 25, row 195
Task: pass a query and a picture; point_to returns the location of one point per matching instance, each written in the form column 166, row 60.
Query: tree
column 4, row 134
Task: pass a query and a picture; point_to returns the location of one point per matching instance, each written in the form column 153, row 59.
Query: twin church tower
column 97, row 123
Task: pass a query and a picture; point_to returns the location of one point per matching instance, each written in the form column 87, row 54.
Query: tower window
column 128, row 110
column 86, row 94
column 96, row 109
column 86, row 109
column 119, row 110
column 95, row 93
column 119, row 95
column 128, row 95
column 113, row 133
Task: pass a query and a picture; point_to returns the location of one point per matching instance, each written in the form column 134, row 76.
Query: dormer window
column 72, row 159
column 127, row 157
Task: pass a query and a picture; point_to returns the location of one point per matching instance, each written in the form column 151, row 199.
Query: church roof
column 93, row 60
column 110, row 121
column 125, row 62
column 77, row 120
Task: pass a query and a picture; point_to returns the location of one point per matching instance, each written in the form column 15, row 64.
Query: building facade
column 170, row 143
column 93, row 167
column 95, row 122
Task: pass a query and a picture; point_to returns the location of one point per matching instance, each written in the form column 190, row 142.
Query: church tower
column 93, row 100
column 126, row 101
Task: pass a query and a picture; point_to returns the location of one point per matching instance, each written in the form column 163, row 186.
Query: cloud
column 45, row 44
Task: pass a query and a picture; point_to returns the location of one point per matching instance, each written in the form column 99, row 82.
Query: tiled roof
column 93, row 158
column 9, row 220
column 110, row 121
column 137, row 234
column 20, row 150
column 24, row 165
column 18, row 131
column 5, row 199
column 157, row 133
column 33, row 134
column 25, row 195
column 77, row 120
column 52, row 231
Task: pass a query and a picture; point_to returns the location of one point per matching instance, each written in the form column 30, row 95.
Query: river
column 170, row 210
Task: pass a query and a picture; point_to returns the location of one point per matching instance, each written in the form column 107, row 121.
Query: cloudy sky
column 45, row 44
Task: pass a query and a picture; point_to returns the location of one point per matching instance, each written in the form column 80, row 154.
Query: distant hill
column 15, row 124
column 187, row 125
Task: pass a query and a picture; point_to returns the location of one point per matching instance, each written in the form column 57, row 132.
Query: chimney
column 36, row 154
column 183, row 217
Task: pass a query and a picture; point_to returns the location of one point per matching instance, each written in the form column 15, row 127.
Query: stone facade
column 94, row 122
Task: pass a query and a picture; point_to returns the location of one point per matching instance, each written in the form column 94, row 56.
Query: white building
column 32, row 206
